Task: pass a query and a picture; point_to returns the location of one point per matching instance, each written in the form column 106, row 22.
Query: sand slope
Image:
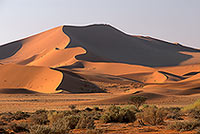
column 81, row 59
column 38, row 79
column 39, row 44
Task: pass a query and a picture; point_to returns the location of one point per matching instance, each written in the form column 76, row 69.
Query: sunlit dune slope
column 113, row 68
column 38, row 79
column 32, row 46
column 150, row 77
column 57, row 58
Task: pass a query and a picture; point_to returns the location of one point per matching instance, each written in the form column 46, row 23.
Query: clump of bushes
column 40, row 129
column 85, row 121
column 39, row 117
column 72, row 107
column 152, row 115
column 19, row 115
column 173, row 113
column 138, row 100
column 117, row 114
column 194, row 113
column 184, row 126
column 20, row 127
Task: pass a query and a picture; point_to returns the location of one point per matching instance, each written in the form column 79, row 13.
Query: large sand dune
column 98, row 58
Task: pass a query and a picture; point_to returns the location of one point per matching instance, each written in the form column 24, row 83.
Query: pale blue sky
column 170, row 20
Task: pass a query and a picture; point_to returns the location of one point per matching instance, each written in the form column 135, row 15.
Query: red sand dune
column 75, row 59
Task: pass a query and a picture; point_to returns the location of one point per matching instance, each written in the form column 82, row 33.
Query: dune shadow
column 16, row 91
column 105, row 43
column 74, row 83
column 10, row 49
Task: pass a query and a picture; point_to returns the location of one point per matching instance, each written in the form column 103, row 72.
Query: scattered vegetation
column 64, row 122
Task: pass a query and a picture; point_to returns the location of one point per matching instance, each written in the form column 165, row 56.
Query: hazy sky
column 170, row 20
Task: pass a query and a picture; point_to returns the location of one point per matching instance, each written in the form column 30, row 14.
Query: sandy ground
column 32, row 102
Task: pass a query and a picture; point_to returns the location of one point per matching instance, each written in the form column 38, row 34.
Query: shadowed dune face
column 10, row 49
column 73, row 83
column 16, row 91
column 112, row 45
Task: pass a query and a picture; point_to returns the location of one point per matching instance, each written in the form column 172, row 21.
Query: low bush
column 40, row 129
column 194, row 113
column 19, row 115
column 39, row 118
column 72, row 107
column 20, row 127
column 14, row 116
column 184, row 126
column 117, row 114
column 152, row 115
column 173, row 113
column 85, row 121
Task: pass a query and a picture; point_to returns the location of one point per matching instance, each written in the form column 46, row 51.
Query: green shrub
column 97, row 109
column 19, row 115
column 184, row 126
column 39, row 118
column 117, row 114
column 20, row 127
column 68, row 122
column 72, row 107
column 14, row 116
column 152, row 115
column 194, row 113
column 40, row 129
column 138, row 100
column 85, row 121
column 173, row 113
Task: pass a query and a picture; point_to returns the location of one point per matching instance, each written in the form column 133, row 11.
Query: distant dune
column 98, row 58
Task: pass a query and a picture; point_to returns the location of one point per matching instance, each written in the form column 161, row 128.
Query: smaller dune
column 36, row 79
column 180, row 70
column 57, row 58
column 113, row 68
column 150, row 77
